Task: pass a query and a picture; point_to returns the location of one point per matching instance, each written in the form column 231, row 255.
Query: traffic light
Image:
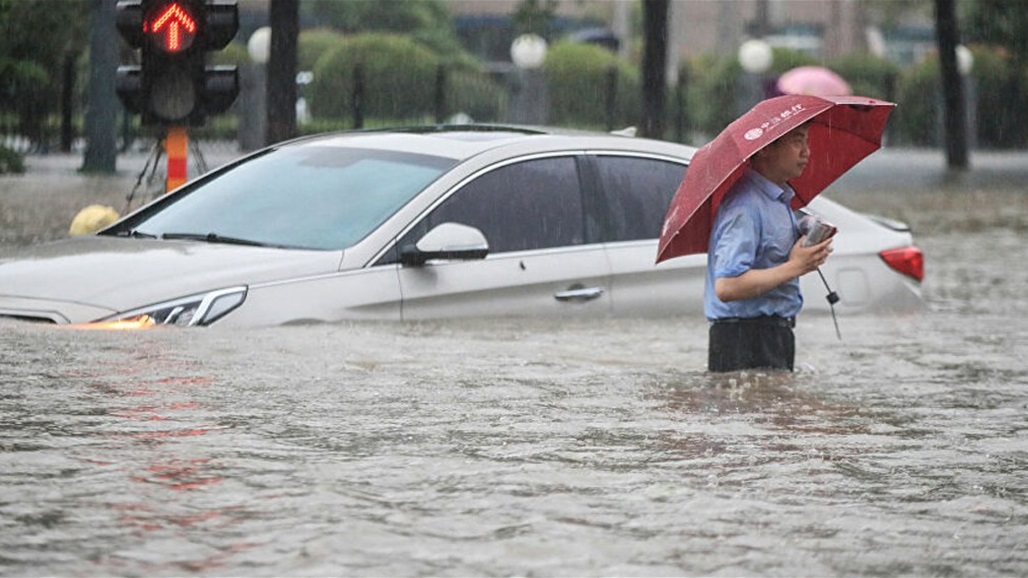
column 173, row 85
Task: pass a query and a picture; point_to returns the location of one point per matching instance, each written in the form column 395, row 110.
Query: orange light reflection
column 135, row 323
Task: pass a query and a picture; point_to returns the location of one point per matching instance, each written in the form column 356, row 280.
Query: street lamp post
column 530, row 93
column 755, row 58
column 254, row 96
column 965, row 64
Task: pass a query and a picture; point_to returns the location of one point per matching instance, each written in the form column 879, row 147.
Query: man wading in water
column 756, row 257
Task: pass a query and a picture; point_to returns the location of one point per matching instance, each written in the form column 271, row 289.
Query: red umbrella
column 815, row 80
column 843, row 131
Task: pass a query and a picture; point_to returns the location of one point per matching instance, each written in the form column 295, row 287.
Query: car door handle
column 579, row 294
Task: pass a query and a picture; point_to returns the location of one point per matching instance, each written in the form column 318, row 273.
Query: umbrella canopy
column 843, row 130
column 812, row 80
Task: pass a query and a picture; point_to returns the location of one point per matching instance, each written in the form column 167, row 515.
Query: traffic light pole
column 176, row 146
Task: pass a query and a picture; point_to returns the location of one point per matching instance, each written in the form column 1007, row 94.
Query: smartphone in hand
column 816, row 230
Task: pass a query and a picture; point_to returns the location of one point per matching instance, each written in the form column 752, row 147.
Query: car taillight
column 906, row 260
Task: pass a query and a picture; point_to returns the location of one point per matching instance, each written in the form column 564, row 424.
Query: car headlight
column 200, row 309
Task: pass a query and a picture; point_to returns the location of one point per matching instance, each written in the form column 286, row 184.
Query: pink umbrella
column 813, row 81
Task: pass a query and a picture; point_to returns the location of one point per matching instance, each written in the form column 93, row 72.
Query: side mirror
column 450, row 241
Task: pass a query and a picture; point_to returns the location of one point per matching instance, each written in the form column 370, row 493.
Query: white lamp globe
column 755, row 56
column 259, row 45
column 965, row 60
column 528, row 51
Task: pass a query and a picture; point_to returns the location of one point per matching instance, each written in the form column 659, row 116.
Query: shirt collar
column 770, row 189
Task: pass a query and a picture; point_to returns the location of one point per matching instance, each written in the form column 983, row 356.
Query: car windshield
column 306, row 197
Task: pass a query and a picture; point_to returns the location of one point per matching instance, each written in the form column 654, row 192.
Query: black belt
column 776, row 320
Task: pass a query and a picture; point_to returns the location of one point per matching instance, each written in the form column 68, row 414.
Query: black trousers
column 751, row 343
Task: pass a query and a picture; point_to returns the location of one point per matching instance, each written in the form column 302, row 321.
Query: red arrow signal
column 171, row 27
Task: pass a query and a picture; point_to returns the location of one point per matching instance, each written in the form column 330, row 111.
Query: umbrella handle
column 832, row 298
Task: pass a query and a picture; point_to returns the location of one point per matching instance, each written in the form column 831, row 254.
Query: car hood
column 118, row 274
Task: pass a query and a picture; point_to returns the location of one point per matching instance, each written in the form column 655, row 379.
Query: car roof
column 466, row 140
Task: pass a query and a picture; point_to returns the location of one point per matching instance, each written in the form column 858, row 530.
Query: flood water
column 537, row 448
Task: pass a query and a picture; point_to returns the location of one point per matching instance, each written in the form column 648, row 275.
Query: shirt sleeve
column 735, row 242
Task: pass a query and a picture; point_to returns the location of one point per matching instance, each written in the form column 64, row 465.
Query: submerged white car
column 429, row 222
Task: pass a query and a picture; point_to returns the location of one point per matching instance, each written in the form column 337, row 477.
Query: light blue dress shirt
column 754, row 229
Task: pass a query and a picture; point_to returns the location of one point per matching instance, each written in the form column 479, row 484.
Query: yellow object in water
column 92, row 219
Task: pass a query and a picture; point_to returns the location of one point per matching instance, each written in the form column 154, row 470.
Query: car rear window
column 637, row 191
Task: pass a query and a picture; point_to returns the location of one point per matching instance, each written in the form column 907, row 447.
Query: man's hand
column 810, row 258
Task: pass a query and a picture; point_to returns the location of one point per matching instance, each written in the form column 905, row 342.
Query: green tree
column 868, row 75
column 575, row 69
column 427, row 21
column 1002, row 111
column 999, row 23
column 34, row 39
column 397, row 72
column 313, row 43
column 1003, row 26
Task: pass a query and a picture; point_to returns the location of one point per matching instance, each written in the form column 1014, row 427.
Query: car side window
column 533, row 204
column 637, row 192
